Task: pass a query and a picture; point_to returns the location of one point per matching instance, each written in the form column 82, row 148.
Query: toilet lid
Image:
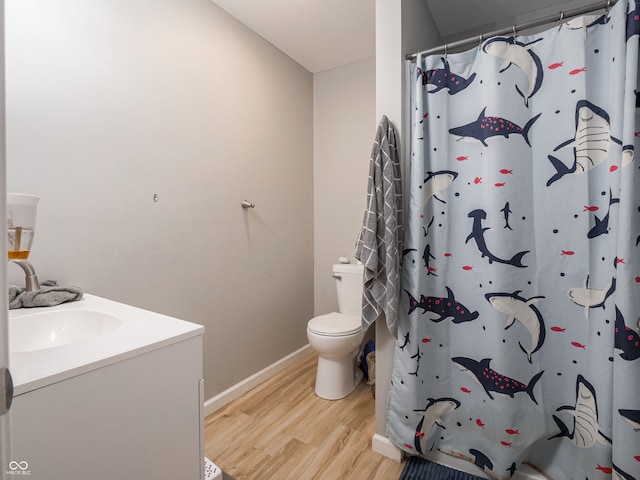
column 335, row 324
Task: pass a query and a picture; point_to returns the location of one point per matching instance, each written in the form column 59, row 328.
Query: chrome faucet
column 30, row 277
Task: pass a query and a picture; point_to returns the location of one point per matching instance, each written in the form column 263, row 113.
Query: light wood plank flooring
column 281, row 430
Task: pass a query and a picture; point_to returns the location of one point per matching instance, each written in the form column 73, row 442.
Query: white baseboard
column 230, row 394
column 382, row 445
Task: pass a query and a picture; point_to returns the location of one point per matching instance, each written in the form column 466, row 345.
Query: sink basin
column 43, row 330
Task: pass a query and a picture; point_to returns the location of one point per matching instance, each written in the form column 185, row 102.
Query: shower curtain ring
column 445, row 51
column 481, row 39
column 515, row 34
column 560, row 20
column 606, row 11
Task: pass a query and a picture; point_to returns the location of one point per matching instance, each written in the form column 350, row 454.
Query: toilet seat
column 335, row 325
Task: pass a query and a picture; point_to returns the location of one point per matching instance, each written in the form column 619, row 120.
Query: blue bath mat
column 418, row 468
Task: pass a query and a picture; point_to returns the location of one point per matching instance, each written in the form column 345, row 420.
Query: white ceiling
column 325, row 34
column 318, row 34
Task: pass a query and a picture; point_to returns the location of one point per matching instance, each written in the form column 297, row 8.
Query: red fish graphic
column 462, row 158
column 477, row 180
column 512, row 432
column 465, row 390
column 419, row 434
column 426, row 340
column 447, row 254
column 558, row 329
column 408, row 446
column 504, row 171
column 591, row 209
column 606, row 470
column 506, row 444
column 432, row 269
column 467, row 267
column 567, row 252
column 579, row 345
column 553, row 66
column 500, row 184
column 619, row 260
column 613, row 168
column 479, row 423
column 637, row 457
column 578, row 70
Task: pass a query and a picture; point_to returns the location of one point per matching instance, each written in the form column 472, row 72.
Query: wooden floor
column 281, row 430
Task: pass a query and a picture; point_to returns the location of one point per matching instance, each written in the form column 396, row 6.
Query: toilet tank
column 348, row 278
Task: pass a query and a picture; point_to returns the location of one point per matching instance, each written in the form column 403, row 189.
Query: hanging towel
column 380, row 241
column 49, row 295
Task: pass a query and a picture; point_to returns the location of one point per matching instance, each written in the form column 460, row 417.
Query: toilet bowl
column 337, row 337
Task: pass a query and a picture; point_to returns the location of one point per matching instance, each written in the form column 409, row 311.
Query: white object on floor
column 211, row 470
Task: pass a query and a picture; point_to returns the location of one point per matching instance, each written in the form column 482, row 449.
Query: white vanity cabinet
column 137, row 415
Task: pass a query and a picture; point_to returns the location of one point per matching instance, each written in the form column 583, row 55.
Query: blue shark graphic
column 485, row 128
column 506, row 211
column 619, row 474
column 481, row 460
column 493, row 381
column 519, row 54
column 435, row 183
column 427, row 257
column 432, row 415
column 521, row 309
column 632, row 417
column 585, row 412
column 602, row 226
column 626, row 340
column 477, row 234
column 633, row 21
column 589, row 297
column 591, row 142
column 443, row 78
column 445, row 307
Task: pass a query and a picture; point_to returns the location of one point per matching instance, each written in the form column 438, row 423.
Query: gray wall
column 112, row 101
column 344, row 127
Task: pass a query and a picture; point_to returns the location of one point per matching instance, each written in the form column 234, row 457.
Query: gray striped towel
column 379, row 244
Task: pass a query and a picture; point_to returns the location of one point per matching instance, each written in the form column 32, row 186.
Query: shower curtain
column 520, row 292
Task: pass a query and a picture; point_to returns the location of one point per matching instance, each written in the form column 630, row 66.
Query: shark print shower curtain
column 518, row 345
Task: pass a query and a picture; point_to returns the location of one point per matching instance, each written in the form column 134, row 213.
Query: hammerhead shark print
column 485, row 128
column 477, row 234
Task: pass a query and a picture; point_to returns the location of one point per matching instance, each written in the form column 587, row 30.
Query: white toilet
column 337, row 336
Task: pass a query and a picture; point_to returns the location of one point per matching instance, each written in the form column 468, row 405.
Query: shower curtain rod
column 525, row 26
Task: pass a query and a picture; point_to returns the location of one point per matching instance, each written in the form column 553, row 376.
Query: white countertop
column 141, row 331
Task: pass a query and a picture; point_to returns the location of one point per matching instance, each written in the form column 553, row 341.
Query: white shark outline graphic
column 520, row 55
column 521, row 309
column 590, row 297
column 585, row 412
column 591, row 142
column 432, row 415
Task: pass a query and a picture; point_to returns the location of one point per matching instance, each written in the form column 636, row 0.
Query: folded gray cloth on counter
column 49, row 295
